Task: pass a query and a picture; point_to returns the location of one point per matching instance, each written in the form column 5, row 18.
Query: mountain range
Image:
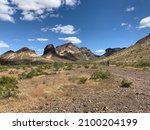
column 70, row 52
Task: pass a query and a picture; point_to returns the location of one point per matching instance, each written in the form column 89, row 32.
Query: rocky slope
column 23, row 55
column 64, row 53
column 71, row 51
column 111, row 51
column 139, row 52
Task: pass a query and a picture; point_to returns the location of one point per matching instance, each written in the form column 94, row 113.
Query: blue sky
column 95, row 24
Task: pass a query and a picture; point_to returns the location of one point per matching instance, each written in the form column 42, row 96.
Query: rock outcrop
column 111, row 51
column 72, row 52
column 49, row 50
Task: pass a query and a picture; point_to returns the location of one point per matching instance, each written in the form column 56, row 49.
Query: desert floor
column 62, row 90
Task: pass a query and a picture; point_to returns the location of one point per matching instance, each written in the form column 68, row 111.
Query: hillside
column 137, row 54
column 63, row 53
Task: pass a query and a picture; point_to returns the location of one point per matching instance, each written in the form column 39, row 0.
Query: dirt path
column 140, row 78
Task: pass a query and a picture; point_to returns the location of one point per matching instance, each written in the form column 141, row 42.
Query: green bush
column 100, row 75
column 68, row 67
column 82, row 80
column 8, row 87
column 143, row 63
column 32, row 73
column 125, row 83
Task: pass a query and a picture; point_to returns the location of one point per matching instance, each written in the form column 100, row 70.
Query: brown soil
column 62, row 92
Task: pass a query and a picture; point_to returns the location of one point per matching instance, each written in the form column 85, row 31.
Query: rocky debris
column 49, row 50
column 111, row 51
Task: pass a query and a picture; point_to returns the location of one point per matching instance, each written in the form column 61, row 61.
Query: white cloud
column 100, row 51
column 31, row 40
column 45, row 29
column 74, row 40
column 38, row 39
column 129, row 9
column 67, row 29
column 145, row 22
column 124, row 24
column 127, row 26
column 42, row 39
column 72, row 2
column 3, row 44
column 6, row 11
column 32, row 9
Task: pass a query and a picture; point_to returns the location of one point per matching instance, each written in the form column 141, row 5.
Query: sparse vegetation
column 125, row 83
column 100, row 75
column 143, row 63
column 68, row 67
column 73, row 79
column 8, row 87
column 32, row 73
column 82, row 80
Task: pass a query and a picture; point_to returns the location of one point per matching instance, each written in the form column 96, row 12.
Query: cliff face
column 49, row 50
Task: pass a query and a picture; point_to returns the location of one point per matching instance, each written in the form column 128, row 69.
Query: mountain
column 71, row 51
column 64, row 53
column 111, row 51
column 136, row 53
column 23, row 55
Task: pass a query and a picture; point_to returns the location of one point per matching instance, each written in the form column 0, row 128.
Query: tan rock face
column 70, row 50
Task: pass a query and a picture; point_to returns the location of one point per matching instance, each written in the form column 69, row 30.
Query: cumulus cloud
column 130, row 9
column 6, row 11
column 3, row 44
column 67, row 29
column 74, row 40
column 72, row 2
column 145, row 23
column 32, row 9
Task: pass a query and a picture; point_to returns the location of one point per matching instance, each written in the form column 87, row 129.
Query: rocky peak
column 49, row 50
column 67, row 46
column 111, row 51
column 9, row 52
column 25, row 49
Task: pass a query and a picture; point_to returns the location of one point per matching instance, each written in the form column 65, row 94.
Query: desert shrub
column 68, row 67
column 82, row 80
column 94, row 66
column 143, row 63
column 125, row 83
column 8, row 87
column 86, row 66
column 100, row 75
column 58, row 65
column 32, row 73
column 3, row 68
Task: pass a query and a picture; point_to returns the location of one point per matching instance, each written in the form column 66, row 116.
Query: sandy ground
column 56, row 93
